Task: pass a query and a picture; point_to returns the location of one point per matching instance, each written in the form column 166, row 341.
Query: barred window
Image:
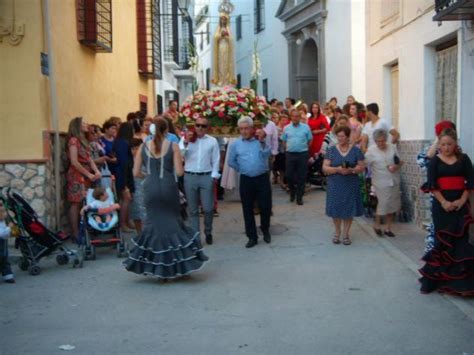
column 94, row 24
column 170, row 31
column 259, row 18
column 149, row 38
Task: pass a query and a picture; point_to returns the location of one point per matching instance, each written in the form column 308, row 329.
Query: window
column 170, row 31
column 94, row 24
column 208, row 33
column 208, row 79
column 446, row 81
column 185, row 40
column 149, row 38
column 159, row 104
column 143, row 103
column 238, row 27
column 265, row 88
column 171, row 95
column 389, row 10
column 394, row 74
column 239, row 81
column 259, row 15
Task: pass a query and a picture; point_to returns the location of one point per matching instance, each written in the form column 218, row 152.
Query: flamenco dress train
column 449, row 265
column 166, row 248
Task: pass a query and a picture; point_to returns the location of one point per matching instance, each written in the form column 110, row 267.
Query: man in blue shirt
column 249, row 156
column 297, row 137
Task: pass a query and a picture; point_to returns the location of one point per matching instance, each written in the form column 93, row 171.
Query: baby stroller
column 35, row 240
column 95, row 234
column 316, row 176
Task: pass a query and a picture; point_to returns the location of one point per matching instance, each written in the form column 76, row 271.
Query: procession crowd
column 165, row 173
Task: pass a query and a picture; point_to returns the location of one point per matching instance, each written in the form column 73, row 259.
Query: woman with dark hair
column 319, row 126
column 166, row 248
column 123, row 175
column 82, row 170
column 342, row 163
column 449, row 264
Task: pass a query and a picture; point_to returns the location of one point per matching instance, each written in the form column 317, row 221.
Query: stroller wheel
column 24, row 264
column 78, row 263
column 34, row 270
column 62, row 259
column 121, row 250
column 93, row 254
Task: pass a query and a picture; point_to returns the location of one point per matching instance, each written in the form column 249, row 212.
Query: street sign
column 44, row 64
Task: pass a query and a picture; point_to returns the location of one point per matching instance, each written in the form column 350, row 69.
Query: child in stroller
column 100, row 221
column 101, row 208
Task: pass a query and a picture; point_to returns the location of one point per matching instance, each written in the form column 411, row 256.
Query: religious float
column 223, row 105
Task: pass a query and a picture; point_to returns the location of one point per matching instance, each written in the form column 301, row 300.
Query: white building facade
column 176, row 36
column 419, row 72
column 326, row 48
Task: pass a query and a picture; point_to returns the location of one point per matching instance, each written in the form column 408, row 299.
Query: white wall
column 272, row 48
column 358, row 43
column 410, row 47
column 338, row 43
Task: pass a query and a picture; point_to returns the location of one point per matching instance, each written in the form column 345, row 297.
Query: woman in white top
column 383, row 160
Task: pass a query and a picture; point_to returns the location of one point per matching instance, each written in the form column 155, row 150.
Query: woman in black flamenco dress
column 166, row 248
column 449, row 266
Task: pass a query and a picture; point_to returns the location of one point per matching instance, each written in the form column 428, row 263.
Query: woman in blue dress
column 343, row 162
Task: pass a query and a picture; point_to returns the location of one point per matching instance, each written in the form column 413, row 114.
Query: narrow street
column 299, row 295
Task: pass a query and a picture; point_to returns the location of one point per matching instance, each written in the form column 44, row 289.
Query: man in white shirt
column 201, row 169
column 374, row 123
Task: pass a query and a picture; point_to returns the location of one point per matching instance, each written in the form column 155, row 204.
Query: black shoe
column 292, row 197
column 251, row 243
column 389, row 234
column 299, row 202
column 10, row 281
column 267, row 237
column 209, row 239
column 201, row 256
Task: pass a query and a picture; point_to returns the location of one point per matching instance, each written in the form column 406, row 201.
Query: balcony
column 454, row 10
column 94, row 24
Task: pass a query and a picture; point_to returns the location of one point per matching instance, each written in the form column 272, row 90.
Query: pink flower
column 196, row 116
column 187, row 112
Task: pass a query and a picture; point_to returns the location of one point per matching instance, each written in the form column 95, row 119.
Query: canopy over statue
column 223, row 50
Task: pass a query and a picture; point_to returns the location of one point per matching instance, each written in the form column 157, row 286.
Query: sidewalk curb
column 464, row 306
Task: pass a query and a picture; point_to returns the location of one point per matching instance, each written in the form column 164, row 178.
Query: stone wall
column 36, row 183
column 415, row 203
column 32, row 181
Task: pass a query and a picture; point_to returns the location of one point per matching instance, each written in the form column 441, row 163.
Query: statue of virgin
column 223, row 53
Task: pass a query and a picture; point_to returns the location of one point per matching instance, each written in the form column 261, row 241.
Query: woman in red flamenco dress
column 449, row 266
column 319, row 125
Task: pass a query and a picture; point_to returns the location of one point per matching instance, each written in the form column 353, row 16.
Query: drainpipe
column 54, row 110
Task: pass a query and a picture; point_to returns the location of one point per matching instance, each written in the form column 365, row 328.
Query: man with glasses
column 201, row 168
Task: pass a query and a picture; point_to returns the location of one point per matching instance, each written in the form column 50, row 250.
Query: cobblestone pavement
column 299, row 295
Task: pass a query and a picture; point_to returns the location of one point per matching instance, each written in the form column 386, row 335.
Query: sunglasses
column 201, row 125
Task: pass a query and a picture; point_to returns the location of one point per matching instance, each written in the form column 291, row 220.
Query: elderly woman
column 343, row 162
column 382, row 158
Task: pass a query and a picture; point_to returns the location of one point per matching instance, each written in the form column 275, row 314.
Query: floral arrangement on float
column 223, row 108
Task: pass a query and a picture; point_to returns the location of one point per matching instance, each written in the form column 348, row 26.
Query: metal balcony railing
column 454, row 10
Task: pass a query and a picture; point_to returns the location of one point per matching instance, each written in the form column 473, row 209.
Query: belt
column 451, row 183
column 194, row 173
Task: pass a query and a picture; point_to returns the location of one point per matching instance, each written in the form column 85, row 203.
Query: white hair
column 245, row 119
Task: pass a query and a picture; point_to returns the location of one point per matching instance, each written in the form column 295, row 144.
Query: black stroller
column 316, row 176
column 36, row 240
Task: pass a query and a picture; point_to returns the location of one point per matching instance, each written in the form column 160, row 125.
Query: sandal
column 346, row 241
column 336, row 240
column 389, row 234
column 378, row 231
